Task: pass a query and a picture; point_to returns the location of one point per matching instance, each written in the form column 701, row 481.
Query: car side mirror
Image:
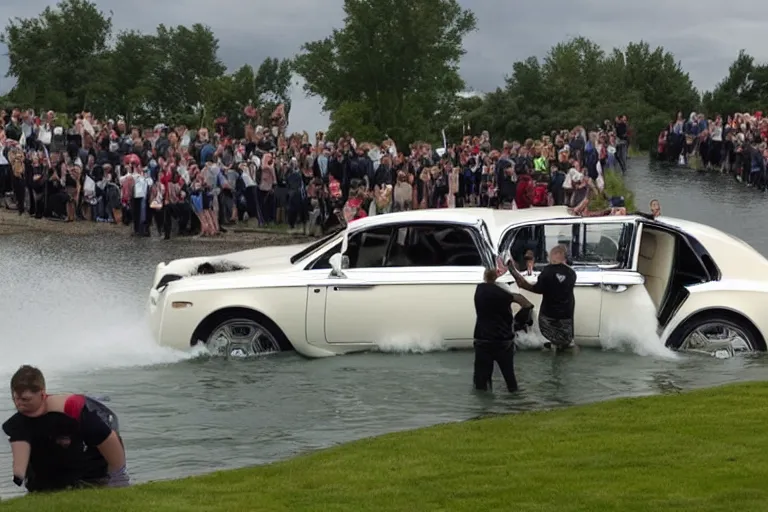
column 337, row 262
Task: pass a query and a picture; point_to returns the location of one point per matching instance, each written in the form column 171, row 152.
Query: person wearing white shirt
column 141, row 185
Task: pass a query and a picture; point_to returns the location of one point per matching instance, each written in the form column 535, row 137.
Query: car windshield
column 309, row 250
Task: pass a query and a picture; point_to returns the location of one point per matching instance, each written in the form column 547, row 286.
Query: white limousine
column 412, row 275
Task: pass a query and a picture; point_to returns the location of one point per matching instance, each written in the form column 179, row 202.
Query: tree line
column 380, row 75
column 68, row 60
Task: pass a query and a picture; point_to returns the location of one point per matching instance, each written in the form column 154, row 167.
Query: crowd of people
column 736, row 145
column 202, row 182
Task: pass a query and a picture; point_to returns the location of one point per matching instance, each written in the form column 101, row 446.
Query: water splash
column 78, row 345
column 412, row 344
column 634, row 329
column 530, row 340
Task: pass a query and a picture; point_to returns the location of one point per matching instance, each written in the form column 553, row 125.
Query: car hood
column 261, row 260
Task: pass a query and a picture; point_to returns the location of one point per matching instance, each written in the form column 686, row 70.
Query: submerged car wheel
column 718, row 334
column 241, row 335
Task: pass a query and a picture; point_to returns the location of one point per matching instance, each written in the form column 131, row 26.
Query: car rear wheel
column 719, row 335
column 244, row 334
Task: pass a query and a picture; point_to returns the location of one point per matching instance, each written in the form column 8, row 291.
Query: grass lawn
column 700, row 451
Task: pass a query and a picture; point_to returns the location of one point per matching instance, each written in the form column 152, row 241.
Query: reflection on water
column 75, row 307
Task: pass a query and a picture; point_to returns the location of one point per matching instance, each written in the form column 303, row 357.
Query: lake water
column 75, row 308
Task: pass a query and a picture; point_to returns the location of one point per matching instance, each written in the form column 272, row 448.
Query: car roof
column 495, row 219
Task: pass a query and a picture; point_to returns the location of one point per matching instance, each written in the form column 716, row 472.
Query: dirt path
column 11, row 223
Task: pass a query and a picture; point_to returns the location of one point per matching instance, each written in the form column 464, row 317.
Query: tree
column 132, row 61
column 61, row 61
column 383, row 63
column 187, row 57
column 577, row 83
column 744, row 89
column 228, row 95
column 56, row 57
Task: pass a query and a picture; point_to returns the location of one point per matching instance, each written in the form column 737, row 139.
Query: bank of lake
column 699, row 451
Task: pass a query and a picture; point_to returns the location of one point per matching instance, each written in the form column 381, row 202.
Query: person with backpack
column 62, row 441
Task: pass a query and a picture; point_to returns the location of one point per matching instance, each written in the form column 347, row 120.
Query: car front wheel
column 717, row 334
column 241, row 334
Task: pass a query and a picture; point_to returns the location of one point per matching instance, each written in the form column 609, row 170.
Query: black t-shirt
column 63, row 446
column 493, row 306
column 556, row 284
column 621, row 130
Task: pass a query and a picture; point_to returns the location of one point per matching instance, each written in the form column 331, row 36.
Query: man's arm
column 519, row 279
column 98, row 433
column 112, row 451
column 20, row 451
column 521, row 301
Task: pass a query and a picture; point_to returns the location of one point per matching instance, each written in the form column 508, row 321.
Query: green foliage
column 745, row 89
column 662, row 454
column 577, row 83
column 614, row 187
column 394, row 61
column 57, row 57
column 355, row 118
column 61, row 61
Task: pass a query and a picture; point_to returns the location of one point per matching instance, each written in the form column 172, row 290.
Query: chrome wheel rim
column 239, row 338
column 718, row 339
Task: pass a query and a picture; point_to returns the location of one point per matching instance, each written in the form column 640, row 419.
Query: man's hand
column 119, row 478
column 519, row 279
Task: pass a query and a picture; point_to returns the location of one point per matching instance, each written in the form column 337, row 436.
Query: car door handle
column 614, row 288
column 340, row 287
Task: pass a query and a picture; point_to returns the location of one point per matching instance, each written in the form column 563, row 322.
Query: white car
column 412, row 275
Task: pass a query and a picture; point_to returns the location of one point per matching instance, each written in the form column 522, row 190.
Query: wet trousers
column 501, row 353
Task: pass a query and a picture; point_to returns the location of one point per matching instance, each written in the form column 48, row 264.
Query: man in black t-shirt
column 555, row 284
column 494, row 332
column 62, row 441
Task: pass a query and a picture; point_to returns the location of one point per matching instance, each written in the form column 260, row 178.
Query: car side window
column 433, row 246
column 324, row 261
column 588, row 244
column 368, row 249
column 603, row 244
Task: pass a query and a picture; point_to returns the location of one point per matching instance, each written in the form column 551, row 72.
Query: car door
column 407, row 284
column 611, row 243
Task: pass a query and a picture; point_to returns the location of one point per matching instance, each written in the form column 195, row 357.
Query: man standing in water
column 62, row 441
column 555, row 284
column 494, row 333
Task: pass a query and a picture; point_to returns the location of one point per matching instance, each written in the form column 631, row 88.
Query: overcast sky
column 706, row 35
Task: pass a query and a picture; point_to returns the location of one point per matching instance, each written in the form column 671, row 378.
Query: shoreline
column 11, row 223
column 608, row 456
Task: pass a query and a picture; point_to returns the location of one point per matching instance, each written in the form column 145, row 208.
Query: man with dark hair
column 555, row 284
column 494, row 332
column 62, row 441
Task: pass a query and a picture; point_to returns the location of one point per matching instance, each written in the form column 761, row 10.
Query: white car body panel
column 323, row 315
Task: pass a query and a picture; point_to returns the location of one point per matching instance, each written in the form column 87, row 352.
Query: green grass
column 614, row 186
column 634, row 152
column 700, row 451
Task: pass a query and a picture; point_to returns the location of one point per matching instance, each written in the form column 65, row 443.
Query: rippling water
column 75, row 307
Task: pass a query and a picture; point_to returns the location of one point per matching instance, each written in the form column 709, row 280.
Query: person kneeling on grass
column 62, row 441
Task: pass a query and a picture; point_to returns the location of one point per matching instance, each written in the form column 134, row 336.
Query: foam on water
column 74, row 346
column 635, row 329
column 413, row 344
